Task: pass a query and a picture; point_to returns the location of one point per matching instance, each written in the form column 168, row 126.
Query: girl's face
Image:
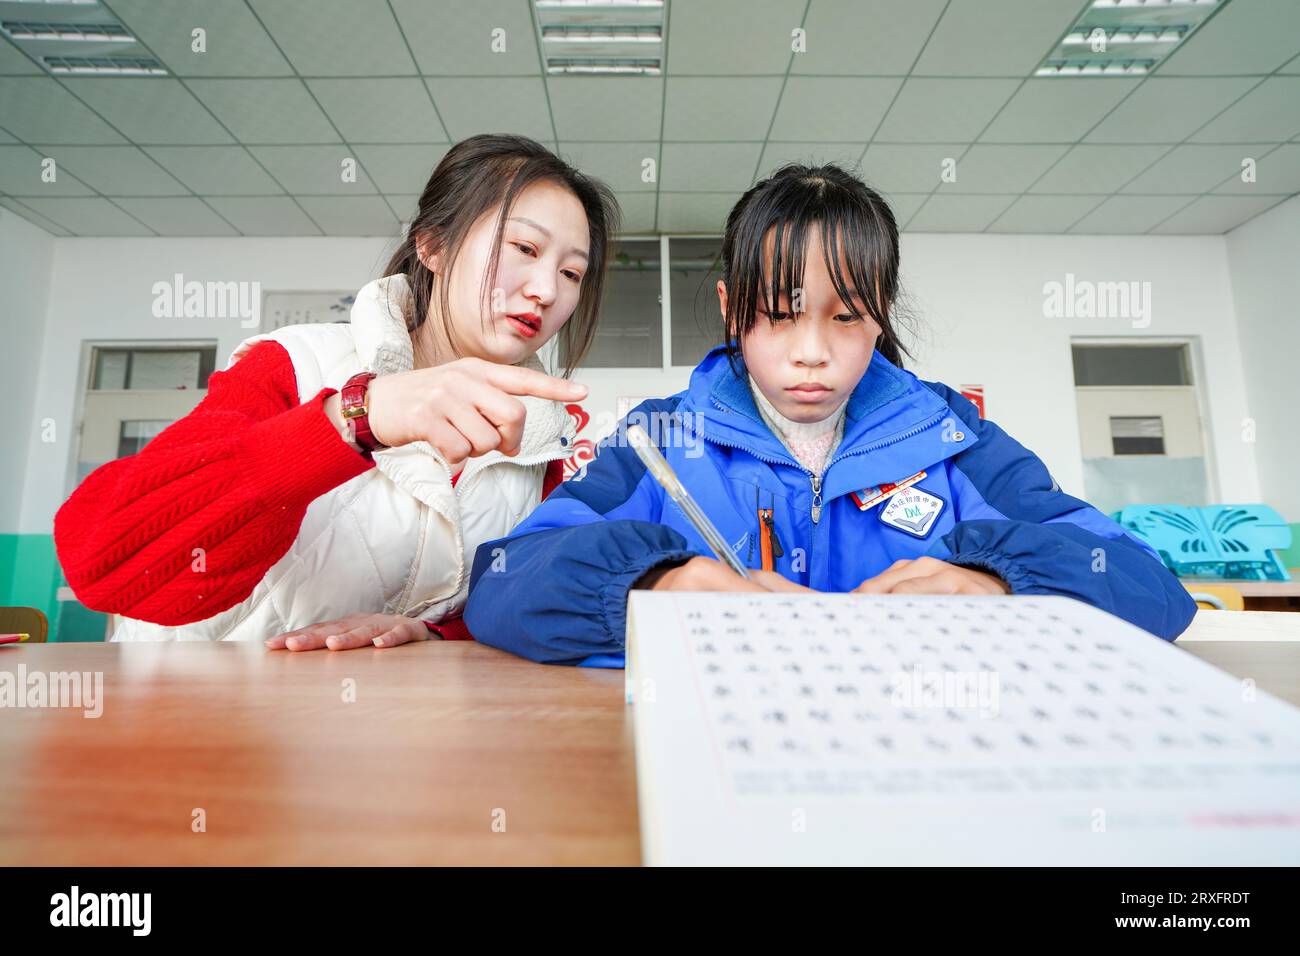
column 807, row 364
column 544, row 254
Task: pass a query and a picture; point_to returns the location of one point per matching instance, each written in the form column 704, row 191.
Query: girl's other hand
column 931, row 576
column 355, row 630
column 706, row 574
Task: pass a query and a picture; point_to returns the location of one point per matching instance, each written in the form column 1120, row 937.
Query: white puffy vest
column 398, row 539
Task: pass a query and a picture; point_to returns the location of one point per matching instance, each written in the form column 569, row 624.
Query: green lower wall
column 30, row 577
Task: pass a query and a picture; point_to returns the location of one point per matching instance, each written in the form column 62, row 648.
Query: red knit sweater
column 233, row 478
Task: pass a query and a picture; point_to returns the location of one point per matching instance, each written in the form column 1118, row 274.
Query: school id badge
column 913, row 511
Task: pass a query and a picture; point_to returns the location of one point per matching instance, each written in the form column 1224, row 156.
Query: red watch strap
column 352, row 398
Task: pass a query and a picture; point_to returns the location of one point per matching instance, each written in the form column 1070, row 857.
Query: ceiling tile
column 314, row 170
column 708, row 167
column 1001, row 169
column 1276, row 173
column 351, row 215
column 907, row 168
column 1244, row 38
column 620, row 165
column 6, row 138
column 950, row 213
column 18, row 209
column 836, row 29
column 21, row 170
column 14, row 61
column 1270, row 113
column 406, row 206
column 89, row 217
column 216, row 170
column 1129, row 214
column 775, row 155
column 995, row 37
column 638, row 212
column 691, row 107
column 266, row 111
column 695, row 212
column 814, row 107
column 1054, row 110
column 265, row 216
column 904, row 206
column 454, row 38
column 149, row 109
column 400, row 169
column 1213, row 215
column 492, row 105
column 116, row 170
column 1044, row 214
column 1097, row 169
column 337, row 37
column 930, row 110
column 38, row 110
column 1168, row 110
column 617, row 108
column 1192, row 169
column 235, row 44
column 380, row 110
column 732, row 36
column 178, row 217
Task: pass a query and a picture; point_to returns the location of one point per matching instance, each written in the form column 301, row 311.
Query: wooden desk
column 441, row 735
column 1259, row 595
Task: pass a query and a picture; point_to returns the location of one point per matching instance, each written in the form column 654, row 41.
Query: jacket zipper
column 816, row 480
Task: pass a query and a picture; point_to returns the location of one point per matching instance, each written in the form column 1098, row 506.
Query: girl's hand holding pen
column 706, row 574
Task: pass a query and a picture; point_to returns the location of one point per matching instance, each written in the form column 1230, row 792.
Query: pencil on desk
column 14, row 638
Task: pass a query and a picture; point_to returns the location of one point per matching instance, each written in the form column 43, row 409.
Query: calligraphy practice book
column 854, row 729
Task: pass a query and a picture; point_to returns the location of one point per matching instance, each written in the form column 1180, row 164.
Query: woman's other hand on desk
column 931, row 576
column 355, row 630
column 706, row 574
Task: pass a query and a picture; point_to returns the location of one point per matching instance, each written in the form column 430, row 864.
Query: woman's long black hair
column 859, row 241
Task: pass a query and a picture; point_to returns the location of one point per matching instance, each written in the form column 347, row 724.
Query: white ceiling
column 247, row 138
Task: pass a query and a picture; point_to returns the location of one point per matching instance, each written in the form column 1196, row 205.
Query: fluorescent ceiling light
column 595, row 4
column 1173, row 35
column 565, row 34
column 105, row 65
column 636, row 67
column 1111, row 68
column 1125, row 37
column 75, row 32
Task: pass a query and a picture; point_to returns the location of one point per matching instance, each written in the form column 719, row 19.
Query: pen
column 14, row 638
column 663, row 473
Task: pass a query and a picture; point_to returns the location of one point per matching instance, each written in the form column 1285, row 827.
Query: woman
column 331, row 489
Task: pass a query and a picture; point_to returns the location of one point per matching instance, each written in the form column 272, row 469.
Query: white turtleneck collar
column 811, row 443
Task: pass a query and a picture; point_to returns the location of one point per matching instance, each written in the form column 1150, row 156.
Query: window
column 136, row 434
column 694, row 270
column 630, row 331
column 1119, row 365
column 1137, row 435
column 129, row 369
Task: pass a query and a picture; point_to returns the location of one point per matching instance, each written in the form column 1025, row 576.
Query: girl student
column 332, row 487
column 809, row 423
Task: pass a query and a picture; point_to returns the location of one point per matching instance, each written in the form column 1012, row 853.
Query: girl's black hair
column 476, row 176
column 856, row 225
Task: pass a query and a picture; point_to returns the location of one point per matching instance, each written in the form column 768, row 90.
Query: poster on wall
column 304, row 308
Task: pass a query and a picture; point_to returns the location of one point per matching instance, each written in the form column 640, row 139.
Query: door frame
column 1196, row 366
column 85, row 371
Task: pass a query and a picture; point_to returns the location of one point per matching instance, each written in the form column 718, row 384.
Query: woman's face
column 807, row 358
column 544, row 256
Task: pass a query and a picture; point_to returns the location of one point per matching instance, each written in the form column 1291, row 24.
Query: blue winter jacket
column 555, row 589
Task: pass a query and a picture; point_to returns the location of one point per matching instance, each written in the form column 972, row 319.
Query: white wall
column 1264, row 266
column 25, row 258
column 979, row 299
column 102, row 290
